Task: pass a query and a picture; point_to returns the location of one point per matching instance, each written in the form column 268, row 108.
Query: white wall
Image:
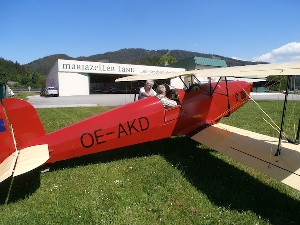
column 75, row 66
column 73, row 84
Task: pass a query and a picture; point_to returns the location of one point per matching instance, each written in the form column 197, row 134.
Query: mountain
column 127, row 56
column 44, row 65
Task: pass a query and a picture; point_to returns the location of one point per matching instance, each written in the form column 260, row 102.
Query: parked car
column 291, row 91
column 49, row 91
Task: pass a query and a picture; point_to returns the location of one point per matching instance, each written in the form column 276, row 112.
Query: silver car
column 51, row 91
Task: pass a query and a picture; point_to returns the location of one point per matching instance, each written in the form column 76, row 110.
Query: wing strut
column 212, row 91
column 288, row 84
column 227, row 93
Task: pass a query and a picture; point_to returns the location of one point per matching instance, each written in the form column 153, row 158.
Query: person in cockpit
column 147, row 90
column 161, row 95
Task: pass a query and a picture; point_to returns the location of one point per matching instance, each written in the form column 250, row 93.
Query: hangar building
column 199, row 63
column 72, row 77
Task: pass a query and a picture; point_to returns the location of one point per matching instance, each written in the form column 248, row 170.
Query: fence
column 16, row 90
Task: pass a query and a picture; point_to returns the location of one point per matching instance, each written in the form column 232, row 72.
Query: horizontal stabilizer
column 7, row 166
column 30, row 158
column 255, row 150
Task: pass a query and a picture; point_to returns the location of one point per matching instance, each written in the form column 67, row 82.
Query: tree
column 278, row 83
column 149, row 61
column 156, row 60
column 167, row 59
column 3, row 77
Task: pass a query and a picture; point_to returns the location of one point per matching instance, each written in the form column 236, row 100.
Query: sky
column 256, row 30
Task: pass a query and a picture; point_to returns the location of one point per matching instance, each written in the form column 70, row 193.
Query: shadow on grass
column 228, row 186
column 224, row 184
column 20, row 187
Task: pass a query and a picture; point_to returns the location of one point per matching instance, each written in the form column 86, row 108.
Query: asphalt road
column 120, row 99
column 273, row 96
column 75, row 101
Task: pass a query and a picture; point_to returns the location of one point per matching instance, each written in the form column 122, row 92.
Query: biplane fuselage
column 145, row 120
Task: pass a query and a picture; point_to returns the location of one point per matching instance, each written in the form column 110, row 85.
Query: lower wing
column 255, row 150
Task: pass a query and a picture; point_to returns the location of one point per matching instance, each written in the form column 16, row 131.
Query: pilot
column 161, row 94
column 147, row 90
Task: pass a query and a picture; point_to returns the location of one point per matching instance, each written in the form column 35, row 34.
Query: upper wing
column 260, row 70
column 159, row 76
column 255, row 150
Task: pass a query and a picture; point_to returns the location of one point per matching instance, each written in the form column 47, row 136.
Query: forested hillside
column 19, row 76
column 44, row 65
column 34, row 73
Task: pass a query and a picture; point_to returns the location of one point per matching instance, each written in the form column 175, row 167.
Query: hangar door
column 105, row 83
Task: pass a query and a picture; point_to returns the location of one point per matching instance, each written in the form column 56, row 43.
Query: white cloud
column 288, row 52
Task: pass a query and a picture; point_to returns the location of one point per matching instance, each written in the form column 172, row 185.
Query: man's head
column 149, row 84
column 161, row 89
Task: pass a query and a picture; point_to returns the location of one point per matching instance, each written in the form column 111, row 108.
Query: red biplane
column 25, row 145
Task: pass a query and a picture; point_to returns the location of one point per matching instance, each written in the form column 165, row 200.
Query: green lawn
column 24, row 95
column 172, row 181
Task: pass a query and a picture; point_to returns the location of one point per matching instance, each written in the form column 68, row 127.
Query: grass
column 57, row 118
column 171, row 181
column 251, row 117
column 24, row 95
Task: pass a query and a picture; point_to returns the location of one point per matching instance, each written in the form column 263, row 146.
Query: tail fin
column 24, row 120
column 19, row 125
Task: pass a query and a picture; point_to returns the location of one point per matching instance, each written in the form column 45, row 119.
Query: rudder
column 19, row 125
column 7, row 148
column 24, row 120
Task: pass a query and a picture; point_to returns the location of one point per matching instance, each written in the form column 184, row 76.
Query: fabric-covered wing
column 259, row 70
column 159, row 76
column 255, row 150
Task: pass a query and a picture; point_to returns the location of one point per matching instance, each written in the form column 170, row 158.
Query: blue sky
column 257, row 30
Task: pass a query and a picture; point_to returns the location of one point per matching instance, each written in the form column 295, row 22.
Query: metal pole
column 288, row 83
